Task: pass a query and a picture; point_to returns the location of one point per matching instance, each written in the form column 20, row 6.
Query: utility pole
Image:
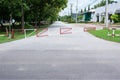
column 71, row 5
column 22, row 18
column 69, row 11
column 76, row 11
column 107, row 13
column 71, row 8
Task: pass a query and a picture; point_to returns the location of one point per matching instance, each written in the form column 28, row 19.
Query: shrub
column 115, row 18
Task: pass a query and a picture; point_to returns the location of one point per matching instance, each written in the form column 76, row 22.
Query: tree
column 32, row 10
column 103, row 3
column 81, row 11
column 85, row 10
column 46, row 9
column 66, row 18
column 10, row 6
column 24, row 7
column 80, row 17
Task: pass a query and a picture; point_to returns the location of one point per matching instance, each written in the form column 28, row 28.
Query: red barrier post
column 42, row 34
column 12, row 34
column 65, row 31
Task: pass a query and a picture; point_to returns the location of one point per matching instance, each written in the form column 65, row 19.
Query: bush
column 115, row 18
column 119, row 17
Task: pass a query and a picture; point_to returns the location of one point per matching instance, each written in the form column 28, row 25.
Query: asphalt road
column 75, row 56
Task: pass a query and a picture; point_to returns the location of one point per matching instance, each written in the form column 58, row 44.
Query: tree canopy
column 32, row 10
column 103, row 3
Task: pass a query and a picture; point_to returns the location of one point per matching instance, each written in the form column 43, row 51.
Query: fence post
column 113, row 32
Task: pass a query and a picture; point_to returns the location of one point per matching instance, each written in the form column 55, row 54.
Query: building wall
column 111, row 10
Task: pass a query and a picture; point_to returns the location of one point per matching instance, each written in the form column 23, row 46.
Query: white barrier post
column 25, row 33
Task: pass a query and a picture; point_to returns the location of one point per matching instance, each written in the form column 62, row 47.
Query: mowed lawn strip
column 19, row 35
column 104, row 35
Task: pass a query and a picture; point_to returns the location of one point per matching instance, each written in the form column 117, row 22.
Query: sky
column 81, row 5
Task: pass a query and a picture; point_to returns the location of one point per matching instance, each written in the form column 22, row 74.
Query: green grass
column 18, row 35
column 104, row 35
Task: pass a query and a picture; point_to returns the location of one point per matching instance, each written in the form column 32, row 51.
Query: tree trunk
column 22, row 19
column 2, row 28
column 36, row 23
column 10, row 22
column 7, row 32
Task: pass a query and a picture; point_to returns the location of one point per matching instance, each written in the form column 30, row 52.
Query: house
column 98, row 14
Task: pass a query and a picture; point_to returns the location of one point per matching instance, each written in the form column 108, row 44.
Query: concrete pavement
column 78, row 40
column 76, row 56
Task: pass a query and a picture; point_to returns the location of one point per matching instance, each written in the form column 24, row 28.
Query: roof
column 92, row 10
column 112, row 8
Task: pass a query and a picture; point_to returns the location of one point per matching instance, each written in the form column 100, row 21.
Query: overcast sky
column 81, row 5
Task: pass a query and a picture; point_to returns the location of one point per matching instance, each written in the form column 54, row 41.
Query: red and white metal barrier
column 86, row 29
column 43, row 33
column 65, row 30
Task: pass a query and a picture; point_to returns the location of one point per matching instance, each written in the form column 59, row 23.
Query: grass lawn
column 18, row 35
column 104, row 35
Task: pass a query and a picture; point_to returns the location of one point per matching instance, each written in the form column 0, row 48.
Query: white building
column 99, row 13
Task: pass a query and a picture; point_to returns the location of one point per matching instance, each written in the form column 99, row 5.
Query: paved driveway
column 76, row 56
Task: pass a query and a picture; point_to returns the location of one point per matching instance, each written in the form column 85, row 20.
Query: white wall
column 111, row 9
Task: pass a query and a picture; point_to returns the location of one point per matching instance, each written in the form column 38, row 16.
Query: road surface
column 76, row 56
